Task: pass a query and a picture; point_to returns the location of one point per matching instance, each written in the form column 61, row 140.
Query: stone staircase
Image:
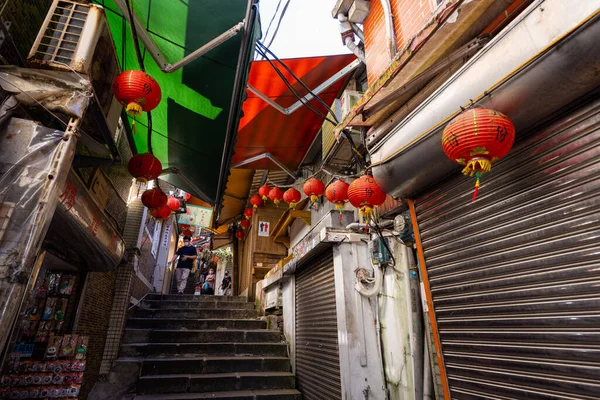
column 200, row 347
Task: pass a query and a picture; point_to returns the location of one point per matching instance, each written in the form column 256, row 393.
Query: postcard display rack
column 46, row 363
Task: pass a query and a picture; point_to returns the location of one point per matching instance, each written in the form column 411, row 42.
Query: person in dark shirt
column 187, row 254
column 226, row 284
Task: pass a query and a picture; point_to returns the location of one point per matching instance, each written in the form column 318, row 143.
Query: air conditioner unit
column 272, row 298
column 348, row 100
column 76, row 37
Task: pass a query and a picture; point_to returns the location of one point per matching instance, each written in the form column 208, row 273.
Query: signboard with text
column 196, row 215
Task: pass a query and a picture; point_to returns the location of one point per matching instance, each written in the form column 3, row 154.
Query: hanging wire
column 272, row 19
column 140, row 59
column 279, row 22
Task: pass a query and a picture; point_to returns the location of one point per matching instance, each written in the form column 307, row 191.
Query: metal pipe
column 355, row 48
column 269, row 157
column 427, row 378
column 330, row 81
column 357, row 225
column 389, row 28
column 359, row 32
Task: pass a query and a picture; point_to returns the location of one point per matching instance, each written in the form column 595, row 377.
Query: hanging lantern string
column 322, row 169
column 140, row 59
column 478, row 178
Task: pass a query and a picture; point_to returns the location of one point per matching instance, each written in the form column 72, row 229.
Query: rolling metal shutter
column 515, row 276
column 317, row 350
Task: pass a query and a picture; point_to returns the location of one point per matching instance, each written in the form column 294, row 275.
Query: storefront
column 45, row 356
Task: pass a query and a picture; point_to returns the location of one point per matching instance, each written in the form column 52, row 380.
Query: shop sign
column 100, row 189
column 156, row 238
column 263, row 228
column 198, row 216
column 166, row 236
column 22, row 350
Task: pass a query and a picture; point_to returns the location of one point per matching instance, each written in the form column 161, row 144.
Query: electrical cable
column 379, row 233
column 288, row 69
column 294, row 91
column 140, row 59
column 279, row 22
column 272, row 19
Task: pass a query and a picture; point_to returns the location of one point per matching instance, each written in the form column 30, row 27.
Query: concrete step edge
column 204, row 343
column 201, row 358
column 220, row 376
column 219, row 395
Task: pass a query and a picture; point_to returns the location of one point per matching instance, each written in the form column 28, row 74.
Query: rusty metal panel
column 317, row 349
column 514, row 276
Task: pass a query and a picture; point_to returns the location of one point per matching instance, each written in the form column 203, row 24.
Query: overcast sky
column 307, row 29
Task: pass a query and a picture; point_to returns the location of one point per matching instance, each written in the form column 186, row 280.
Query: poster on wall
column 196, row 215
column 263, row 228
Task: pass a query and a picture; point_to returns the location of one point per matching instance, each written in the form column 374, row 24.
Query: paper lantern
column 154, row 198
column 173, row 203
column 476, row 139
column 365, row 195
column 163, row 212
column 248, row 213
column 256, row 201
column 292, row 197
column 188, row 196
column 276, row 195
column 137, row 92
column 314, row 189
column 144, row 167
column 187, row 232
column 239, row 234
column 337, row 193
column 264, row 192
column 245, row 223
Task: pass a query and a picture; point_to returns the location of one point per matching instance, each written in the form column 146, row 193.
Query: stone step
column 208, row 365
column 285, row 394
column 200, row 336
column 155, row 384
column 192, row 324
column 206, row 304
column 203, row 349
column 170, row 313
column 191, row 297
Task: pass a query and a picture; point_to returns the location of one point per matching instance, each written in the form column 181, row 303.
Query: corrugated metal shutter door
column 317, row 350
column 515, row 276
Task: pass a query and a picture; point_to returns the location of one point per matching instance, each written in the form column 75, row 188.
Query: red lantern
column 248, row 213
column 154, row 198
column 215, row 259
column 245, row 223
column 476, row 139
column 314, row 189
column 144, row 167
column 239, row 234
column 187, row 232
column 163, row 212
column 136, row 91
column 184, row 226
column 173, row 203
column 264, row 192
column 337, row 193
column 292, row 197
column 256, row 201
column 276, row 195
column 364, row 194
column 188, row 196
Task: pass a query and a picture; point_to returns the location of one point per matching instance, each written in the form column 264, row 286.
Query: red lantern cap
column 137, row 91
column 276, row 195
column 292, row 197
column 245, row 223
column 173, row 203
column 364, row 194
column 337, row 193
column 239, row 234
column 264, row 192
column 144, row 167
column 154, row 198
column 314, row 189
column 256, row 201
column 477, row 138
column 163, row 212
column 248, row 213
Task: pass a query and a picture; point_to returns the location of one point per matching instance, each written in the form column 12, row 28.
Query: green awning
column 192, row 122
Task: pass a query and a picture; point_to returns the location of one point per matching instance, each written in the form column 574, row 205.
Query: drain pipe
column 347, row 30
